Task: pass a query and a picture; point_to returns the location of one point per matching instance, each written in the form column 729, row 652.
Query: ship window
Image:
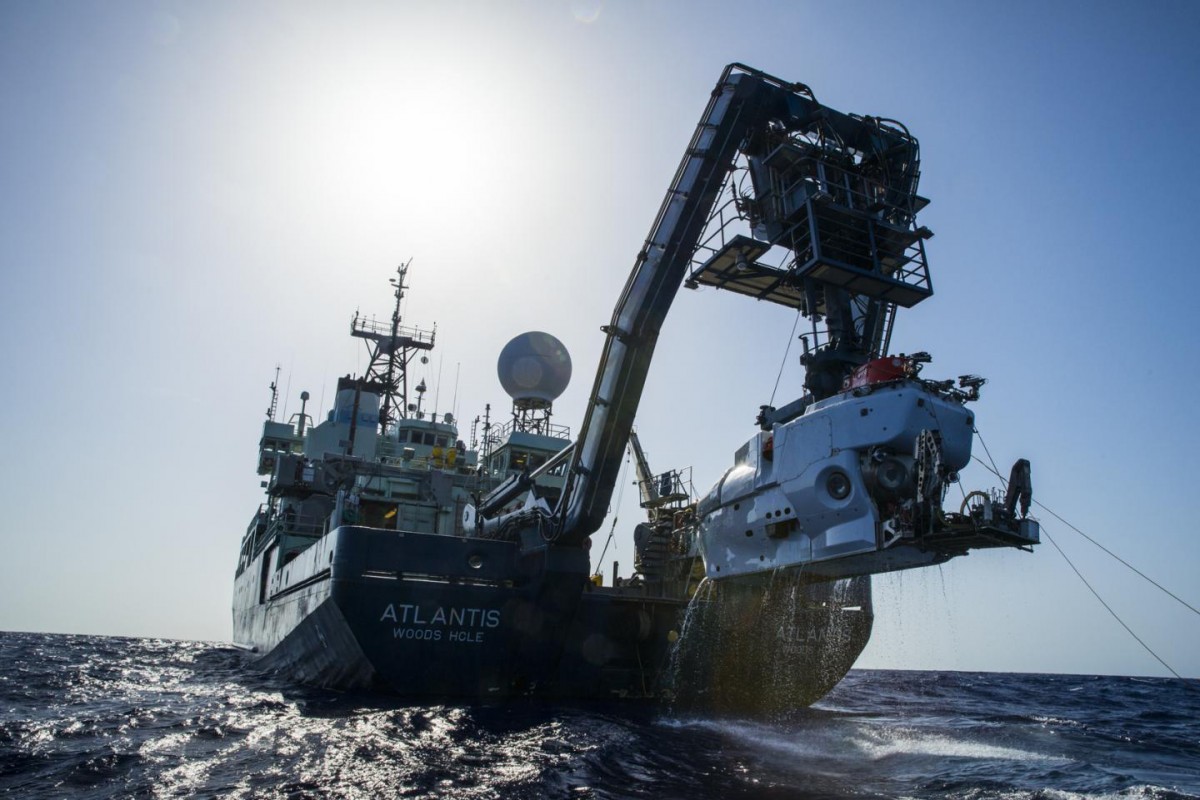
column 442, row 441
column 402, row 436
column 430, row 439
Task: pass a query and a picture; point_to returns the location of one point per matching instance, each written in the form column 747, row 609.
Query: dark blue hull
column 432, row 616
column 442, row 616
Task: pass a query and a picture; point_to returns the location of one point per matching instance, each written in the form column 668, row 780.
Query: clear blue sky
column 191, row 193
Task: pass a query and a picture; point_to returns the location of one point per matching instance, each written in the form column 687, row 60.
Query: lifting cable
column 1079, row 574
column 1125, row 563
column 786, row 350
column 613, row 530
column 1109, row 609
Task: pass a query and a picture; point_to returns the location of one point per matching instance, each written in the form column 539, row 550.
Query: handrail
column 551, row 429
column 384, row 328
column 295, row 525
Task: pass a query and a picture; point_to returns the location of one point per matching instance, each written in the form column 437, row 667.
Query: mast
column 646, row 484
column 274, row 396
column 398, row 284
column 391, row 347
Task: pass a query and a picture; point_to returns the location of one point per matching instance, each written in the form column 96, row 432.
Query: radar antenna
column 534, row 369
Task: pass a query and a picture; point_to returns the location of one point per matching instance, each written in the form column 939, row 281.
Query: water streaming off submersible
column 769, row 644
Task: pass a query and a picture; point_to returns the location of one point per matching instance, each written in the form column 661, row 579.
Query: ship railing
column 444, row 462
column 729, row 217
column 256, row 533
column 673, row 488
column 797, row 176
column 817, row 217
column 543, row 428
column 383, row 328
column 296, row 525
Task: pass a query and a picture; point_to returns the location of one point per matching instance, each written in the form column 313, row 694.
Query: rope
column 612, row 530
column 995, row 470
column 783, row 364
column 1079, row 574
column 1137, row 571
column 1109, row 609
column 1113, row 555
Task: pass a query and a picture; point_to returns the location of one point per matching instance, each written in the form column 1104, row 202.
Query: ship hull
column 430, row 616
column 440, row 616
column 769, row 645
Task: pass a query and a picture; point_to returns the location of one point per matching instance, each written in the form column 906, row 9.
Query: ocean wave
column 99, row 718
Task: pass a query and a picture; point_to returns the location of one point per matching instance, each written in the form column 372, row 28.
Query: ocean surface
column 99, row 717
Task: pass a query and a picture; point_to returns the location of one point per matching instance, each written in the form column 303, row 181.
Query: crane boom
column 646, row 299
column 749, row 113
column 647, row 486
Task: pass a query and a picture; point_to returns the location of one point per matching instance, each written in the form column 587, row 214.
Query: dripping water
column 768, row 644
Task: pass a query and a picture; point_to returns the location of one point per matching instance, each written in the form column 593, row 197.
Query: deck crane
column 666, row 498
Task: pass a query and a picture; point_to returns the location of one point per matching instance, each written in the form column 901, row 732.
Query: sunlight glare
column 429, row 143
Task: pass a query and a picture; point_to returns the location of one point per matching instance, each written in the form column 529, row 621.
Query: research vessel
column 391, row 554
